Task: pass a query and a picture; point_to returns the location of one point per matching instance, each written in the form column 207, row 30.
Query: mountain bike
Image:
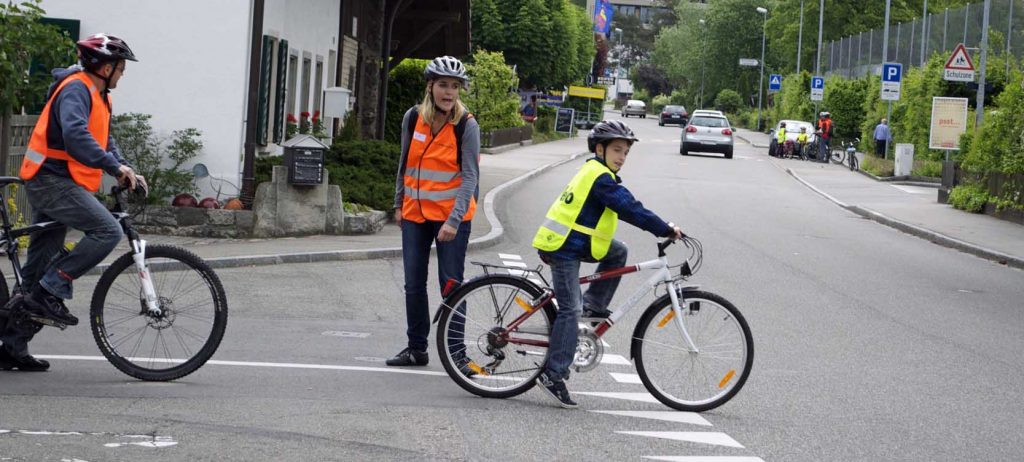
column 158, row 312
column 692, row 349
column 846, row 151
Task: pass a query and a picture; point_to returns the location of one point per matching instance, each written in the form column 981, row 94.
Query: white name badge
column 419, row 136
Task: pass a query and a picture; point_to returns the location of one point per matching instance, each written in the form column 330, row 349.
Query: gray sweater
column 470, row 169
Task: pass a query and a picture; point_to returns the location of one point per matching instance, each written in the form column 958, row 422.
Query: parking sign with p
column 892, row 76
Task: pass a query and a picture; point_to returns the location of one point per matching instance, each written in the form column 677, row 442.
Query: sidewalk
column 910, row 209
column 499, row 175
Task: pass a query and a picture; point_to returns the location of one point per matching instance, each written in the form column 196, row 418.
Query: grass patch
column 539, row 137
column 877, row 166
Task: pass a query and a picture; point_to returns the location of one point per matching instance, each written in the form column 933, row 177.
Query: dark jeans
column 824, row 149
column 880, row 148
column 451, row 261
column 55, row 198
column 565, row 280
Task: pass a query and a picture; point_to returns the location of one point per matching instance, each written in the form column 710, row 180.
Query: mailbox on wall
column 304, row 157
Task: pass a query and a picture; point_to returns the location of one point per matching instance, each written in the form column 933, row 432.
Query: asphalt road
column 870, row 345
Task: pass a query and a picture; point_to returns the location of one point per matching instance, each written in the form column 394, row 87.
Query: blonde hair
column 428, row 108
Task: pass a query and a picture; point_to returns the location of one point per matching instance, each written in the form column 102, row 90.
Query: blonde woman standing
column 435, row 195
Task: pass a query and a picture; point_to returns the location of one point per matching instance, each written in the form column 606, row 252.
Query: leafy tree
column 406, row 88
column 157, row 158
column 490, row 97
column 652, row 78
column 26, row 44
column 728, row 101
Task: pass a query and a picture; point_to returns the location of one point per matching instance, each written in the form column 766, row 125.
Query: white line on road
column 508, row 256
column 715, row 438
column 912, row 189
column 625, row 378
column 705, row 458
column 691, row 418
column 615, row 359
column 261, row 364
column 642, row 397
column 516, row 264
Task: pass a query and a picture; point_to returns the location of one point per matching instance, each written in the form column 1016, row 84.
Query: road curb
column 914, row 230
column 491, row 238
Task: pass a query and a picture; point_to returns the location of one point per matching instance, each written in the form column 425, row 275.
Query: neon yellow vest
column 564, row 212
column 781, row 135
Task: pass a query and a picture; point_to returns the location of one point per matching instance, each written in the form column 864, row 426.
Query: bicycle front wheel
column 689, row 380
column 490, row 338
column 194, row 314
column 838, row 156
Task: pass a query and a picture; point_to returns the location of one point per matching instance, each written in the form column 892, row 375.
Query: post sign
column 606, row 80
column 949, row 121
column 564, row 120
column 959, row 67
column 892, row 76
column 817, row 88
column 587, row 92
column 748, row 62
column 775, row 82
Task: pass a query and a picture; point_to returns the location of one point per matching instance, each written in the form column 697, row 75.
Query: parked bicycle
column 692, row 349
column 846, row 152
column 158, row 312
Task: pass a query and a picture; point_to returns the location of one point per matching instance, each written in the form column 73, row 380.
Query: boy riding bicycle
column 580, row 226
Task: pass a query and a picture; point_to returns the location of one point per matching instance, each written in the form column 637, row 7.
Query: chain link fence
column 912, row 43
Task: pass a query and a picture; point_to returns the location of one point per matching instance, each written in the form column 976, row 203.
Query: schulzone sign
column 959, row 67
column 949, row 121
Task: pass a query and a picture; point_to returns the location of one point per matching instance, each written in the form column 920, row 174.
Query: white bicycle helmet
column 446, row 66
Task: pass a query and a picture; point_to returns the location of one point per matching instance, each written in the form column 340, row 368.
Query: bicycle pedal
column 48, row 322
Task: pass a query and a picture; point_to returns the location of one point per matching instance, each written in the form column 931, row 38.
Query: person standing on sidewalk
column 824, row 132
column 68, row 153
column 882, row 138
column 435, row 195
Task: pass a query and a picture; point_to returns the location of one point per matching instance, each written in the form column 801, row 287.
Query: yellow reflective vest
column 561, row 217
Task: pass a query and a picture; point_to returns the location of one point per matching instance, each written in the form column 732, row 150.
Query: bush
column 159, row 159
column 545, row 122
column 489, row 98
column 728, row 101
column 969, row 198
column 928, row 168
column 405, row 89
column 878, row 166
column 659, row 102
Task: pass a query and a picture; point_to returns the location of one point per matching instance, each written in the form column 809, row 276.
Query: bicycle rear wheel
column 477, row 346
column 178, row 341
column 838, row 156
column 683, row 379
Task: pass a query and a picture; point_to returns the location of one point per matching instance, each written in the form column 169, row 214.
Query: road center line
column 267, row 364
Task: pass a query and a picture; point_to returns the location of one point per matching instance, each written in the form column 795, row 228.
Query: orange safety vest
column 432, row 175
column 99, row 126
column 826, row 128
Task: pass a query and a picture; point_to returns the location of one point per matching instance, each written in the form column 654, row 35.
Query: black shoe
column 589, row 314
column 49, row 308
column 25, row 364
column 409, row 357
column 557, row 391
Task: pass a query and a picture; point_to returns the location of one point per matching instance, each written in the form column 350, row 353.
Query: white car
column 707, row 133
column 635, row 107
column 707, row 112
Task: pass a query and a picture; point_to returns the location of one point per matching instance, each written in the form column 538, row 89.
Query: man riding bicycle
column 68, row 153
column 580, row 226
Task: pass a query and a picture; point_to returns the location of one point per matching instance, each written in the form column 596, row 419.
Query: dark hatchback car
column 673, row 115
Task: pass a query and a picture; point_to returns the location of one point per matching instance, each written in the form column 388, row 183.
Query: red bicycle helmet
column 99, row 49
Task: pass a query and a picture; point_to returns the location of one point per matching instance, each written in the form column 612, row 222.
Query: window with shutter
column 263, row 110
column 280, row 93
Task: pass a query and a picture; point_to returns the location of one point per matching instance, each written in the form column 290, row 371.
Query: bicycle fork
column 145, row 277
column 677, row 311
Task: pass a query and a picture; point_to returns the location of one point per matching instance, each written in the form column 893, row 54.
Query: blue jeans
column 451, row 261
column 56, row 198
column 565, row 279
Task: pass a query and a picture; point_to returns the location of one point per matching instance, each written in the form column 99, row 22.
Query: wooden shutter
column 262, row 111
column 282, row 74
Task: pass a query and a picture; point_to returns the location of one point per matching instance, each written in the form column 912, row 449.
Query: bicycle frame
column 662, row 275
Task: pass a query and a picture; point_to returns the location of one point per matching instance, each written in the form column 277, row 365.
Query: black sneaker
column 591, row 314
column 409, row 357
column 50, row 308
column 557, row 391
column 25, row 364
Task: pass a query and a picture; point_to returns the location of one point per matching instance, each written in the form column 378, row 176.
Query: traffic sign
column 775, row 82
column 892, row 76
column 606, row 80
column 748, row 62
column 959, row 67
column 817, row 88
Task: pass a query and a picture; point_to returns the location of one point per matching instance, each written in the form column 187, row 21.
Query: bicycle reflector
column 684, row 270
column 449, row 287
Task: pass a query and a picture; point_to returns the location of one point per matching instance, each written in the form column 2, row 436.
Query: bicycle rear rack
column 514, row 270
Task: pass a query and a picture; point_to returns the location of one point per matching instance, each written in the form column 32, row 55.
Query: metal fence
column 911, row 44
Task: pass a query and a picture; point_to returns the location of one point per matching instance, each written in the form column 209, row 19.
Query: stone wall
column 191, row 221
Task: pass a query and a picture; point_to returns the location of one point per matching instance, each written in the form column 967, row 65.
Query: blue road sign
column 892, row 72
column 775, row 82
column 817, row 83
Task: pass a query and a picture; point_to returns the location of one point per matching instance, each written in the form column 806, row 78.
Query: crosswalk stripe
column 615, row 359
column 508, row 256
column 642, row 397
column 705, row 458
column 517, row 264
column 625, row 378
column 715, row 438
column 691, row 418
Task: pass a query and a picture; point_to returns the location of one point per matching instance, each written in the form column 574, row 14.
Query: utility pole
column 979, row 115
column 924, row 31
column 885, row 59
column 800, row 39
column 821, row 25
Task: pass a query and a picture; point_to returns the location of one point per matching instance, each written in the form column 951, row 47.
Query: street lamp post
column 760, row 85
column 703, row 60
column 800, row 37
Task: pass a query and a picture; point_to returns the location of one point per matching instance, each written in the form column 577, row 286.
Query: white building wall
column 192, row 69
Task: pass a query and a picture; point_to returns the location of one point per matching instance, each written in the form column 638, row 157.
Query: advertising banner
column 949, row 121
column 603, row 17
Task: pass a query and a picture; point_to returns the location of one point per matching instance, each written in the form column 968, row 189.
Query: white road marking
column 615, row 359
column 519, row 273
column 625, row 378
column 705, row 458
column 913, row 189
column 517, row 264
column 261, row 364
column 691, row 418
column 642, row 397
column 508, row 256
column 715, row 438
